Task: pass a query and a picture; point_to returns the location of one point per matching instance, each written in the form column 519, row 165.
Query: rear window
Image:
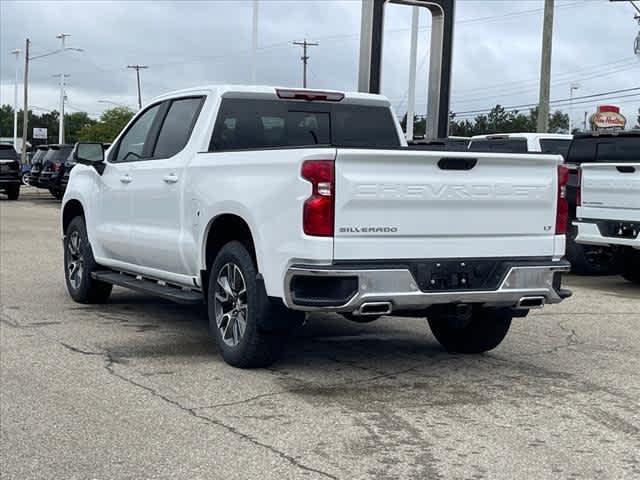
column 604, row 149
column 7, row 152
column 499, row 145
column 255, row 124
column 57, row 154
column 555, row 146
column 39, row 155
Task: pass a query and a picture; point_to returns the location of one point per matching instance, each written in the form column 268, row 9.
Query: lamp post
column 16, row 52
column 572, row 87
column 25, row 107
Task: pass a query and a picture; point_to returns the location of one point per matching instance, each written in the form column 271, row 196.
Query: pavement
column 134, row 389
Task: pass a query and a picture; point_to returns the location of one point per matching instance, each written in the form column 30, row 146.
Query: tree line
column 79, row 126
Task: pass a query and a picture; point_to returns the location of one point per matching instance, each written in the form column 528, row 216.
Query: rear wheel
column 478, row 330
column 589, row 259
column 238, row 306
column 13, row 192
column 631, row 268
column 79, row 264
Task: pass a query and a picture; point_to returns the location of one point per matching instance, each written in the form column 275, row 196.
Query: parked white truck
column 608, row 212
column 267, row 203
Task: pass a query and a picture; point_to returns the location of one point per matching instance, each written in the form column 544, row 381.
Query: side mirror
column 90, row 153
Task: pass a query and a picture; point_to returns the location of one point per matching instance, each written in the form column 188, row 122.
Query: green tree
column 6, row 121
column 111, row 122
column 74, row 123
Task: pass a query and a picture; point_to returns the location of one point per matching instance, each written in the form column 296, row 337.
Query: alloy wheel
column 75, row 262
column 230, row 305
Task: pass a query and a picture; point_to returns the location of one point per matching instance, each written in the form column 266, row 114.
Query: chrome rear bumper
column 395, row 289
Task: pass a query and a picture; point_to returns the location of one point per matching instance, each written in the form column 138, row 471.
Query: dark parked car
column 61, row 179
column 51, row 165
column 595, row 147
column 9, row 171
column 36, row 165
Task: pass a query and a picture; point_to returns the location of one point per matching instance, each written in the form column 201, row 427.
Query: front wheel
column 478, row 330
column 238, row 308
column 78, row 265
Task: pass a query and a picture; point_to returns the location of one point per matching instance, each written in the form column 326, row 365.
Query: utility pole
column 137, row 68
column 16, row 52
column 62, row 77
column 545, row 67
column 25, row 108
column 413, row 54
column 305, row 58
column 254, row 43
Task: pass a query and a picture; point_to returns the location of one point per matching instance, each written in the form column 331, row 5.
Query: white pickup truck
column 608, row 212
column 267, row 203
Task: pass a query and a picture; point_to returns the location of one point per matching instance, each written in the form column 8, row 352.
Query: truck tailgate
column 611, row 191
column 398, row 204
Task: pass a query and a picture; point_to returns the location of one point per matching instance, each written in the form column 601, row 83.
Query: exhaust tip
column 375, row 308
column 530, row 302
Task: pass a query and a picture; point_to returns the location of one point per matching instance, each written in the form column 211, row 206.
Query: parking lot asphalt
column 134, row 389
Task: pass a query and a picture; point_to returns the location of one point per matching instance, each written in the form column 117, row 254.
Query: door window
column 177, row 126
column 131, row 146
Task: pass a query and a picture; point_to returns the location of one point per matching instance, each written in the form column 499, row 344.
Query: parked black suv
column 36, row 165
column 595, row 147
column 51, row 165
column 9, row 171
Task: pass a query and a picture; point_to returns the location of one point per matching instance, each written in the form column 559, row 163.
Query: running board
column 168, row 292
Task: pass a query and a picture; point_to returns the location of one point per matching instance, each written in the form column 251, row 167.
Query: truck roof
column 264, row 91
column 527, row 135
column 615, row 133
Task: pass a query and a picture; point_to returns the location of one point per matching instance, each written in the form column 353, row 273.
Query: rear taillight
column 317, row 217
column 55, row 167
column 579, row 188
column 309, row 95
column 562, row 210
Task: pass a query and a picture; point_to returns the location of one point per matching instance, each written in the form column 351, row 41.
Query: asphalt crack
column 110, row 367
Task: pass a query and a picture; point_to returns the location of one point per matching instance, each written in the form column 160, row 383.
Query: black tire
column 483, row 329
column 361, row 319
column 589, row 259
column 81, row 287
column 631, row 269
column 250, row 346
column 13, row 192
column 56, row 194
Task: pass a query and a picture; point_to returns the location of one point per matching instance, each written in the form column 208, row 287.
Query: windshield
column 7, row 152
column 499, row 145
column 555, row 146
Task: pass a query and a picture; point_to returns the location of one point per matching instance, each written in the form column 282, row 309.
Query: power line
column 526, row 105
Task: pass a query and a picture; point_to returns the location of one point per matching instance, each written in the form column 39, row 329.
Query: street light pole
column 62, row 100
column 25, row 108
column 254, row 43
column 16, row 52
column 572, row 87
column 62, row 37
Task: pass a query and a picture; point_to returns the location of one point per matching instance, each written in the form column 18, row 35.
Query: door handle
column 171, row 178
column 126, row 178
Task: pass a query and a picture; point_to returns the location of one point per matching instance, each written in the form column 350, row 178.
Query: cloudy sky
column 496, row 54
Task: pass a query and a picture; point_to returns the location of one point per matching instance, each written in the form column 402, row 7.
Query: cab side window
column 132, row 144
column 177, row 126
